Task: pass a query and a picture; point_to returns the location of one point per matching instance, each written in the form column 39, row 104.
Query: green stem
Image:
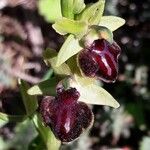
column 48, row 137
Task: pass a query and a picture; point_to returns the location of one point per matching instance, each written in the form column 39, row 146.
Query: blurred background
column 24, row 34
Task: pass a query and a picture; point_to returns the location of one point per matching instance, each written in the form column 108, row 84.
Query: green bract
column 70, row 47
column 50, row 58
column 47, row 87
column 91, row 93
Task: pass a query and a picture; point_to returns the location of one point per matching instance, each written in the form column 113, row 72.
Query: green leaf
column 67, row 8
column 79, row 5
column 112, row 22
column 64, row 26
column 47, row 87
column 50, row 9
column 68, row 49
column 48, row 137
column 93, row 13
column 30, row 102
column 12, row 118
column 93, row 94
column 50, row 59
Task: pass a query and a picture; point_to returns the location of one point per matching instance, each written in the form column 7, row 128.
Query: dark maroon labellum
column 67, row 117
column 100, row 60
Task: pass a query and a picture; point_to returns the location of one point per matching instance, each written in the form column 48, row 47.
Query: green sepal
column 79, row 5
column 112, row 22
column 92, row 13
column 64, row 26
column 50, row 9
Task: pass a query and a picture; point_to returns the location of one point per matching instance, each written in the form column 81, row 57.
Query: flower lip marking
column 102, row 56
column 67, row 125
column 66, row 116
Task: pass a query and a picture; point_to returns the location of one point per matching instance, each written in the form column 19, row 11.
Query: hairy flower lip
column 102, row 60
column 86, row 66
column 67, row 118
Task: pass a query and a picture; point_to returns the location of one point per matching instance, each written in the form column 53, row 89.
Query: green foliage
column 30, row 102
column 48, row 137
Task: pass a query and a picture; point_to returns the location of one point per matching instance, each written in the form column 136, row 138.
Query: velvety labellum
column 67, row 117
column 100, row 60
